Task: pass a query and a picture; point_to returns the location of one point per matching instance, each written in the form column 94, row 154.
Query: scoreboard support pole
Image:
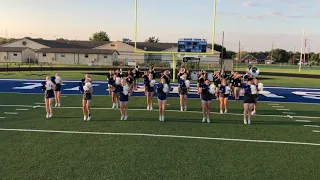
column 174, row 58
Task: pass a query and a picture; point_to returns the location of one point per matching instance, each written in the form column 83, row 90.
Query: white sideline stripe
column 232, row 100
column 277, row 106
column 273, row 104
column 22, row 109
column 290, row 113
column 289, row 116
column 218, row 113
column 283, row 109
column 40, row 103
column 162, row 135
column 12, row 113
column 303, row 121
column 2, row 117
column 311, row 126
column 316, row 131
column 63, row 96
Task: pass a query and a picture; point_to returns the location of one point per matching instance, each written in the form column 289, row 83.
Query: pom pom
column 58, row 80
column 187, row 82
column 87, row 87
column 118, row 80
column 165, row 88
column 260, row 87
column 212, row 89
column 228, row 90
column 253, row 89
column 125, row 90
column 152, row 83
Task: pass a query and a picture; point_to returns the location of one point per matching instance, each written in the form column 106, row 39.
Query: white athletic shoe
column 181, row 109
column 56, row 105
column 117, row 106
column 113, row 105
column 160, row 118
column 249, row 122
column 47, row 116
column 203, row 120
column 122, row 118
column 59, row 105
column 185, row 108
column 125, row 118
column 148, row 108
column 208, row 120
column 225, row 111
column 151, row 108
column 85, row 118
column 221, row 112
column 50, row 116
column 245, row 121
column 89, row 118
column 253, row 112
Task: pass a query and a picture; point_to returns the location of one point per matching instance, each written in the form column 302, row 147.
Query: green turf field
column 97, row 75
column 180, row 148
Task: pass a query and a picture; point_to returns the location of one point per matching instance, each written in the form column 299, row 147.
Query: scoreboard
column 192, row 45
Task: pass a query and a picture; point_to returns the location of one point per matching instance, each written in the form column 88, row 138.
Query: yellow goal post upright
column 174, row 54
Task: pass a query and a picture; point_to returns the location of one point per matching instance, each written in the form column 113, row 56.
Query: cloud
column 274, row 13
column 301, row 6
column 294, row 16
column 254, row 17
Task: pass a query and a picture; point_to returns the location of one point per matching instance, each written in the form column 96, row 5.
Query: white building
column 16, row 54
column 77, row 56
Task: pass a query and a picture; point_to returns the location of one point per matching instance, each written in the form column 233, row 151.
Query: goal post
column 174, row 54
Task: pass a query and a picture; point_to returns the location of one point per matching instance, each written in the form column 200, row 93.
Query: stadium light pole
column 302, row 47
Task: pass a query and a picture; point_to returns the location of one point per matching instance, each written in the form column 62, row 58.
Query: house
column 16, row 54
column 256, row 58
column 77, row 56
column 37, row 44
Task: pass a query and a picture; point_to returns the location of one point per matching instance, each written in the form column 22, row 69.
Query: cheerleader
column 249, row 91
column 188, row 74
column 152, row 71
column 135, row 78
column 162, row 90
column 129, row 79
column 124, row 99
column 150, row 83
column 110, row 81
column 236, row 86
column 116, row 92
column 200, row 83
column 49, row 94
column 224, row 91
column 87, row 96
column 167, row 78
column 259, row 87
column 217, row 83
column 113, row 85
column 207, row 92
column 183, row 89
column 57, row 91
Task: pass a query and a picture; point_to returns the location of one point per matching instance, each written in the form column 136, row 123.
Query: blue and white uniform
column 207, row 92
column 149, row 85
column 58, row 82
column 224, row 91
column 162, row 90
column 124, row 93
column 87, row 91
column 250, row 92
column 183, row 86
column 49, row 90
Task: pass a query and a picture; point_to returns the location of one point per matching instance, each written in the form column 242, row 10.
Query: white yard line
column 162, row 136
column 316, row 131
column 283, row 109
column 316, row 126
column 40, row 103
column 218, row 113
column 2, row 117
column 11, row 113
column 289, row 113
column 277, row 106
column 303, row 121
column 273, row 104
column 22, row 109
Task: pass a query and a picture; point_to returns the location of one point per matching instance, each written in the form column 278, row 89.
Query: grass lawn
column 71, row 155
column 96, row 75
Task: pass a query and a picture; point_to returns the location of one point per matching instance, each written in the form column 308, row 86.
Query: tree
column 5, row 40
column 100, row 36
column 152, row 40
column 315, row 58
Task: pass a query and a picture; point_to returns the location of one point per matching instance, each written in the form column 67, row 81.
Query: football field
column 283, row 141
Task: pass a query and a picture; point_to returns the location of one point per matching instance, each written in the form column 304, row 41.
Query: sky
column 257, row 24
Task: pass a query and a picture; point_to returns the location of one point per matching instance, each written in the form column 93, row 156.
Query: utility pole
column 222, row 63
column 271, row 58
